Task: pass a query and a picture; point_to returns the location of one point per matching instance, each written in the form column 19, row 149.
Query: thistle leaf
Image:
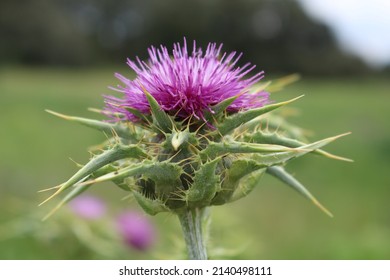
column 138, row 114
column 205, row 185
column 276, row 139
column 281, row 158
column 215, row 149
column 78, row 189
column 119, row 175
column 117, row 152
column 274, row 122
column 319, row 144
column 109, row 169
column 150, row 206
column 219, row 108
column 161, row 119
column 247, row 184
column 166, row 176
column 236, row 120
column 238, row 169
column 281, row 174
column 108, row 128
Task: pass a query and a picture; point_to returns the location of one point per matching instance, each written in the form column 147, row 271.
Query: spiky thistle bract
column 168, row 165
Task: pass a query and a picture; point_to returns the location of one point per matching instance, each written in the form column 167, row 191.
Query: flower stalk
column 192, row 223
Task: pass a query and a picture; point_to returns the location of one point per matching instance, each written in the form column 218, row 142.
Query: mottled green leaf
column 206, row 184
column 238, row 169
column 247, row 184
column 150, row 206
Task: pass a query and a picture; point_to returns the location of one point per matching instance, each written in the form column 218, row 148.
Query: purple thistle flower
column 186, row 84
column 136, row 230
column 88, row 207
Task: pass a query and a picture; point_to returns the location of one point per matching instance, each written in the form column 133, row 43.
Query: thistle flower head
column 137, row 231
column 163, row 154
column 186, row 84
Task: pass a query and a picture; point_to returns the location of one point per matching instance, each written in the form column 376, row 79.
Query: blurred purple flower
column 137, row 231
column 88, row 207
column 186, row 84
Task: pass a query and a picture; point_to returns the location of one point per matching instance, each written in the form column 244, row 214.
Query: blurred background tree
column 276, row 35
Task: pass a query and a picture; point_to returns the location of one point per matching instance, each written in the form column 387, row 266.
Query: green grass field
column 273, row 222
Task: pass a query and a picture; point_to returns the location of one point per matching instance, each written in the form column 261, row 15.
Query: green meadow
column 39, row 150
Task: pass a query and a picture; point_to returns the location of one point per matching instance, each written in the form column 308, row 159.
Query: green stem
column 191, row 221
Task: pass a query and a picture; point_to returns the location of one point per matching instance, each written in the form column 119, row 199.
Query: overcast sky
column 361, row 26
